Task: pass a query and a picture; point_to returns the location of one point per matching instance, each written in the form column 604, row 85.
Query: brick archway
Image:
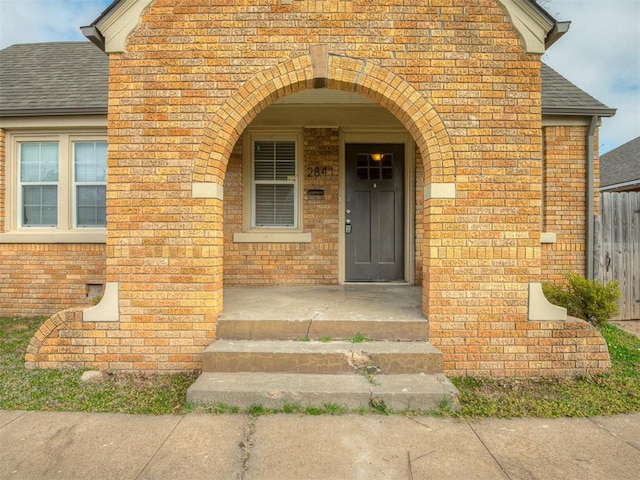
column 321, row 69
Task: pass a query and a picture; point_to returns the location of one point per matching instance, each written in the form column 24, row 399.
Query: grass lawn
column 616, row 392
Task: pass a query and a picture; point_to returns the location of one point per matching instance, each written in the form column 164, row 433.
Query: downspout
column 590, row 193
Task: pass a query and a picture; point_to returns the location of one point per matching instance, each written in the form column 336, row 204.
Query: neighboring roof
column 61, row 78
column 71, row 78
column 621, row 166
column 561, row 97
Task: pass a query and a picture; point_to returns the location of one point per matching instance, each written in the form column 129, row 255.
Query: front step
column 260, row 358
column 403, row 330
column 282, row 356
column 274, row 390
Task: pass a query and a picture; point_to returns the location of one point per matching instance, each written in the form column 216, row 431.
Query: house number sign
column 319, row 171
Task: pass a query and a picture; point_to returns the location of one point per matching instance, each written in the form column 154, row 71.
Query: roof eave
column 94, row 36
column 52, row 112
column 555, row 30
column 556, row 33
column 91, row 31
column 617, row 186
column 579, row 111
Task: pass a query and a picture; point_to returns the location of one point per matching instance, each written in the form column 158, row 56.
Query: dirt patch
column 631, row 326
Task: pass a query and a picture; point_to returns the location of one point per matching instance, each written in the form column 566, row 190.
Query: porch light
column 376, row 157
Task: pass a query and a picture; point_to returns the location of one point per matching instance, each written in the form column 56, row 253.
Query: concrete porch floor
column 378, row 302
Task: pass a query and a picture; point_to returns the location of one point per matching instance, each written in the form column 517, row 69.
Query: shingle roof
column 621, row 165
column 561, row 97
column 53, row 79
column 72, row 78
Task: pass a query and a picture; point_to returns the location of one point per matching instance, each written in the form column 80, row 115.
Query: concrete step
column 313, row 357
column 274, row 390
column 290, row 329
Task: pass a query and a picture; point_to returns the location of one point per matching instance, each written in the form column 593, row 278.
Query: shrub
column 584, row 298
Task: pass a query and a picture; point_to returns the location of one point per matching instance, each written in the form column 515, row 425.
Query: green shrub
column 584, row 298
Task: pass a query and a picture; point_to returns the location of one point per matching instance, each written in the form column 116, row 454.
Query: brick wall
column 454, row 73
column 42, row 279
column 3, row 180
column 564, row 209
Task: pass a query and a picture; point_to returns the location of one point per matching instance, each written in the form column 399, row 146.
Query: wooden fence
column 617, row 248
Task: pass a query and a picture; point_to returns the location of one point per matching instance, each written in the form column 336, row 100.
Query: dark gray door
column 374, row 228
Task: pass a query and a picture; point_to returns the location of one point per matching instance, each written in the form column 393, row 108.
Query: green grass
column 359, row 338
column 606, row 394
column 61, row 390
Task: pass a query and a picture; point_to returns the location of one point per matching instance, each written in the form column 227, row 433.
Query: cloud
column 601, row 55
column 32, row 21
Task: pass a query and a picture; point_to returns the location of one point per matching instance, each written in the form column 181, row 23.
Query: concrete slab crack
column 495, row 459
column 318, row 313
column 306, row 336
column 146, row 465
column 246, row 444
column 613, row 434
column 411, row 461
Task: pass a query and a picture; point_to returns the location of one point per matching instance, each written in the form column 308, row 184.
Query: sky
column 600, row 53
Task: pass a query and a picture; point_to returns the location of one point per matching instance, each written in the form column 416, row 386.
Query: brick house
column 267, row 142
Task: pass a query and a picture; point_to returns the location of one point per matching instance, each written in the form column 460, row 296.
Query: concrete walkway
column 48, row 445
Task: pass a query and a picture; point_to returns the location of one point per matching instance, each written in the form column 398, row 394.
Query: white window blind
column 274, row 183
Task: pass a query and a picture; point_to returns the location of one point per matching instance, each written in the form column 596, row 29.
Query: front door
column 374, row 220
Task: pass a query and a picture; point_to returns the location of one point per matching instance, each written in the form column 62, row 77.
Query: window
column 56, row 187
column 272, row 187
column 39, row 184
column 90, row 188
column 274, row 184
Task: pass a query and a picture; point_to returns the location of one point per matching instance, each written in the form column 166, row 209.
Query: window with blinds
column 274, row 184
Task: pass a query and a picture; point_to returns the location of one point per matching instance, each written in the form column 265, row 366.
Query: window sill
column 54, row 236
column 272, row 237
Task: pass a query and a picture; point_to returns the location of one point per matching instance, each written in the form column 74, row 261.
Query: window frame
column 66, row 230
column 271, row 234
column 75, row 184
column 273, row 182
column 22, row 184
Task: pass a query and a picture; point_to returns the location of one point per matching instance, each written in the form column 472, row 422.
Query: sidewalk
column 48, row 445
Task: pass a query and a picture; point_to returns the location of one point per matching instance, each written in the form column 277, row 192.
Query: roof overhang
column 52, row 112
column 579, row 112
column 630, row 185
column 538, row 29
column 110, row 30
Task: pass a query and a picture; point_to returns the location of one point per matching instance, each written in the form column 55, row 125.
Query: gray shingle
column 561, row 97
column 72, row 77
column 53, row 78
column 621, row 165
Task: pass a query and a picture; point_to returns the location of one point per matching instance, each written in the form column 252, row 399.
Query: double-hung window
column 274, row 184
column 90, row 187
column 56, row 187
column 39, row 176
column 272, row 190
